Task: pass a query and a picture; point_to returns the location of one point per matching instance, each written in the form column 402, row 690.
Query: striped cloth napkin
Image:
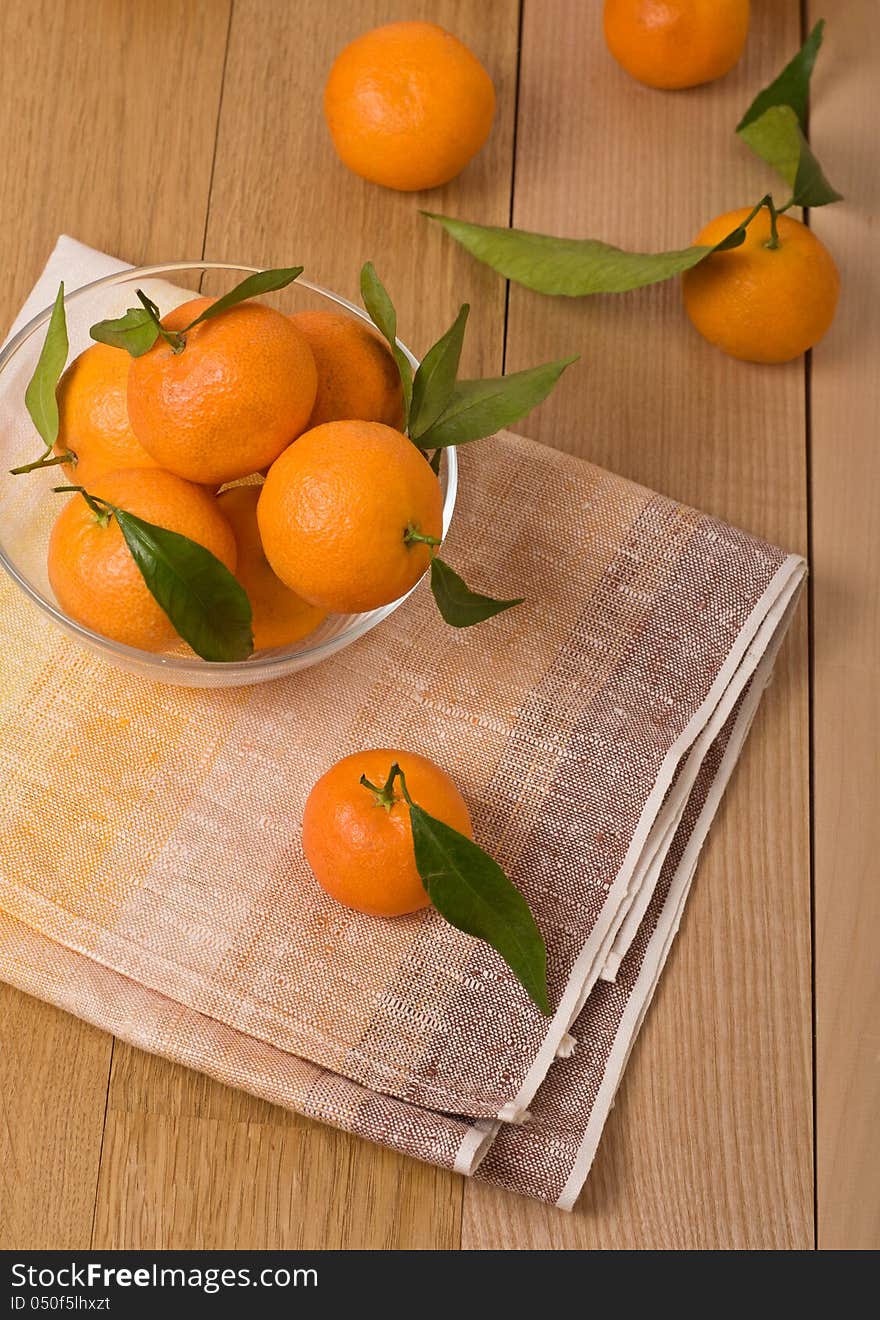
column 592, row 731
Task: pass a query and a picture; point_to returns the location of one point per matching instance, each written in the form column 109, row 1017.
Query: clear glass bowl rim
column 281, row 658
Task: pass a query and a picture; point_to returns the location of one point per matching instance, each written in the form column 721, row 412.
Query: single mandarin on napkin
column 93, row 422
column 758, row 302
column 408, row 105
column 280, row 617
column 231, row 400
column 358, row 840
column 357, row 376
column 348, row 515
column 676, row 43
column 92, row 571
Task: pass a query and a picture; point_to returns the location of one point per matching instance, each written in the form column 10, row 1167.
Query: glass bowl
column 28, row 507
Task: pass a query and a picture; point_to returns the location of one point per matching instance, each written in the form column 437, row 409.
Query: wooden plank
column 96, row 144
column 188, row 1162
column 846, row 640
column 185, row 1166
column 710, row 1143
column 53, row 1085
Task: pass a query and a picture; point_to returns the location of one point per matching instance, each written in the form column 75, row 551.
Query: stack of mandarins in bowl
column 273, row 441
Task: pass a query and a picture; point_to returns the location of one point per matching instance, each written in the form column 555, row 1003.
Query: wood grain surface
column 189, row 127
column 723, row 1063
column 845, row 406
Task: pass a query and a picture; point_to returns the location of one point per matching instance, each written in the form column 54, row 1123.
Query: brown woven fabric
column 589, row 730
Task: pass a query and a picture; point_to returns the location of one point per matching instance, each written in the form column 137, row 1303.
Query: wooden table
column 183, row 127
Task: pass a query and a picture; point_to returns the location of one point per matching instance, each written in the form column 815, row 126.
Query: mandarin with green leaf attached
column 91, row 569
column 358, row 841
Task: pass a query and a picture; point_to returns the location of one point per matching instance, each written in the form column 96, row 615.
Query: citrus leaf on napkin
column 381, row 312
column 135, row 331
column 208, row 607
column 458, row 605
column 478, row 408
column 471, row 891
column 435, row 378
column 39, row 397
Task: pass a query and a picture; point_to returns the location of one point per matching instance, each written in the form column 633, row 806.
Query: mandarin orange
column 357, row 376
column 91, row 570
column 408, row 105
column 93, row 420
column 280, row 617
column 341, row 513
column 359, row 843
column 227, row 404
column 761, row 303
column 676, row 43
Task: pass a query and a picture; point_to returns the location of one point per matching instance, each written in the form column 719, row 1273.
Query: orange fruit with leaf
column 280, row 617
column 349, row 515
column 408, row 105
column 676, row 43
column 91, row 570
column 768, row 300
column 228, row 398
column 357, row 376
column 387, row 832
column 757, row 283
column 358, row 839
column 93, row 424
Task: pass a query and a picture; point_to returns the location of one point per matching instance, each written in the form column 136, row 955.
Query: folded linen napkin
column 592, row 732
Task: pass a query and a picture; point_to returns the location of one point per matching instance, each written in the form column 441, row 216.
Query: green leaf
column 377, row 302
column 777, row 138
column 572, row 267
column 774, row 124
column 435, row 378
column 136, row 331
column 736, row 237
column 811, row 188
column 39, row 397
column 471, row 891
column 458, row 605
column 792, row 87
column 263, row 281
column 208, row 607
column 479, row 408
column 381, row 312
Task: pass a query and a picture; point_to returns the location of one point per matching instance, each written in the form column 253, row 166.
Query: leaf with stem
column 471, row 891
column 40, row 396
column 478, row 408
column 135, row 331
column 174, row 338
column 573, row 267
column 262, row 281
column 459, row 606
column 138, row 329
column 207, row 606
column 381, row 311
